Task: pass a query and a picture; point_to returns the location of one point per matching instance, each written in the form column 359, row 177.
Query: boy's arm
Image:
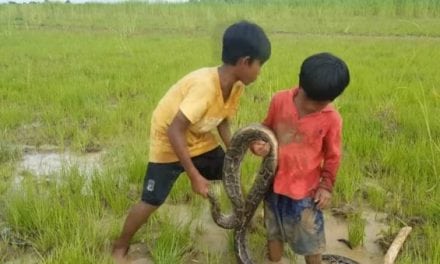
column 176, row 134
column 224, row 130
column 332, row 156
column 332, row 159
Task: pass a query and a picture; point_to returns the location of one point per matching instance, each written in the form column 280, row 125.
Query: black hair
column 245, row 39
column 323, row 77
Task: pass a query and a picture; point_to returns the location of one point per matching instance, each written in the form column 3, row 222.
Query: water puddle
column 370, row 252
column 48, row 161
column 47, row 164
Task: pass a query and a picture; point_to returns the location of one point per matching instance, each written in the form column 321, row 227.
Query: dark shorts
column 297, row 222
column 160, row 177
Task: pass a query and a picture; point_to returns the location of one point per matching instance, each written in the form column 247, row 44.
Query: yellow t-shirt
column 199, row 97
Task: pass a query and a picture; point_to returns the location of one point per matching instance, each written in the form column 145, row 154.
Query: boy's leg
column 313, row 259
column 137, row 216
column 275, row 250
column 304, row 229
column 158, row 182
column 274, row 232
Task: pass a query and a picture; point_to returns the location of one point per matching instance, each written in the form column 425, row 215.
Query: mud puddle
column 214, row 240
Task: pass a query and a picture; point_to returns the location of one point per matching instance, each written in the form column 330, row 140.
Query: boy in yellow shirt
column 181, row 137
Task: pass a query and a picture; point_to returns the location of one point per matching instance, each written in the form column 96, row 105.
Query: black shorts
column 160, row 177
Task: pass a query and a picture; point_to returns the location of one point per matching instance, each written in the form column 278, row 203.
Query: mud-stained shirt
column 198, row 96
column 309, row 147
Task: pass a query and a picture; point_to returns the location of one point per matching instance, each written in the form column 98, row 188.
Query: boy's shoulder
column 198, row 84
column 203, row 80
column 206, row 74
column 330, row 108
column 332, row 114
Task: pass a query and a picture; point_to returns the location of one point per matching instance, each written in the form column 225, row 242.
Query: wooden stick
column 393, row 251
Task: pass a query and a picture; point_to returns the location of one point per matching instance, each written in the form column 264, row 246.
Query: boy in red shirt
column 308, row 130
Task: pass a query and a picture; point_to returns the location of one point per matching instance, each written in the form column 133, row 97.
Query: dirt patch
column 14, row 250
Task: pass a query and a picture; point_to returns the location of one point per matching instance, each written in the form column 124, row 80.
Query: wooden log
column 394, row 249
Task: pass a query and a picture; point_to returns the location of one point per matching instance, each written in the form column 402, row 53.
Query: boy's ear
column 244, row 61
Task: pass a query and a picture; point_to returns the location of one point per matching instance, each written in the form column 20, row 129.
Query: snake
column 337, row 259
column 244, row 207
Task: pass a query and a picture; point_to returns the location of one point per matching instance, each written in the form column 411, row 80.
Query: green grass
column 356, row 229
column 172, row 243
column 87, row 77
column 57, row 216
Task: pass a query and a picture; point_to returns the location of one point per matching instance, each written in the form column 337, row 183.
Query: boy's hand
column 322, row 198
column 259, row 148
column 200, row 185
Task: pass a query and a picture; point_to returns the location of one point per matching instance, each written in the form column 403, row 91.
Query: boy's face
column 315, row 106
column 311, row 106
column 248, row 69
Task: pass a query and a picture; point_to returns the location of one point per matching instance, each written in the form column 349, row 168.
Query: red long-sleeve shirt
column 309, row 147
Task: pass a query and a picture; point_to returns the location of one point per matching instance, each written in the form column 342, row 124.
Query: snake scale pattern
column 244, row 207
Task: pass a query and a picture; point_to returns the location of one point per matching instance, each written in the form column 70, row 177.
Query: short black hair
column 245, row 39
column 323, row 77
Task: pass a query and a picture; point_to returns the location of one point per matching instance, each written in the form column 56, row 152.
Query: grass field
column 86, row 78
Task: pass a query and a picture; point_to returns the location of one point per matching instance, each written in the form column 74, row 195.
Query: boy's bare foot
column 119, row 253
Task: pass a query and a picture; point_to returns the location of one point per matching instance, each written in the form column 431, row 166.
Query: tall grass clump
column 172, row 242
column 356, row 229
column 57, row 219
